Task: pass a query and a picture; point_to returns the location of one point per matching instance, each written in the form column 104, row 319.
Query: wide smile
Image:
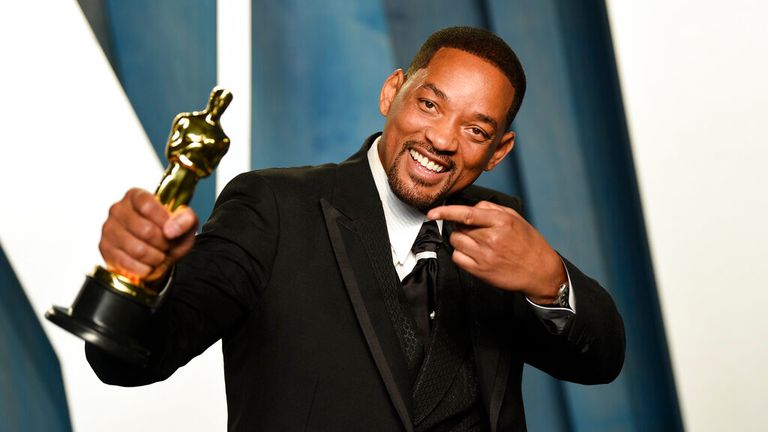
column 426, row 163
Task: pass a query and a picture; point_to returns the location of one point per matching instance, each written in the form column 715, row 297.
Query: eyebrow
column 439, row 93
column 487, row 119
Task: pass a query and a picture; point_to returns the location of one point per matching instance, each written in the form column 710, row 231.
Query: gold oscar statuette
column 113, row 311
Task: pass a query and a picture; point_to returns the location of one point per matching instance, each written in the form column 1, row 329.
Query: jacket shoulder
column 301, row 180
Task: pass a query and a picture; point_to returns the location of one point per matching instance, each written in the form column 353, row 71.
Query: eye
column 479, row 132
column 427, row 104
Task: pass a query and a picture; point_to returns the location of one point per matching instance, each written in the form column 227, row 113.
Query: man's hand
column 495, row 244
column 141, row 239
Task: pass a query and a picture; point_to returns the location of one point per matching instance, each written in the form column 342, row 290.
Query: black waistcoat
column 445, row 387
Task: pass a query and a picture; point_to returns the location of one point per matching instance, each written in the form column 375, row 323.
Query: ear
column 389, row 91
column 502, row 150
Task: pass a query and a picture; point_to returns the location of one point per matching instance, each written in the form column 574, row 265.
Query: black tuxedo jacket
column 288, row 271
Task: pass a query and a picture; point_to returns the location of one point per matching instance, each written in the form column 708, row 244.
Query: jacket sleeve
column 590, row 350
column 214, row 287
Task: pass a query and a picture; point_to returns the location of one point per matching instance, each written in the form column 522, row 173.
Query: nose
column 442, row 137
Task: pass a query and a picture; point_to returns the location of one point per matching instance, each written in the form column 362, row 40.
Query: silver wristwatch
column 561, row 300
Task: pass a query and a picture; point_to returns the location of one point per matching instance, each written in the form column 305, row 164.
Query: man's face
column 443, row 126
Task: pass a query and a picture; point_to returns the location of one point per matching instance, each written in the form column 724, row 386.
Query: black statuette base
column 113, row 322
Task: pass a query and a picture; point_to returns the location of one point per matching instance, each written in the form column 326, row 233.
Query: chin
column 411, row 191
column 419, row 203
column 410, row 195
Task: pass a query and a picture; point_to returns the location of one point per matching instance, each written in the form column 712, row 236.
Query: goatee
column 410, row 195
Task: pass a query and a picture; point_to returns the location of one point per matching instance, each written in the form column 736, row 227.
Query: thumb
column 181, row 222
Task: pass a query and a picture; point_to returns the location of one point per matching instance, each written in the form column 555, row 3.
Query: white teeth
column 425, row 162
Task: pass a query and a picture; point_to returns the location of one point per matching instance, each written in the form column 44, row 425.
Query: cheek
column 475, row 157
column 410, row 120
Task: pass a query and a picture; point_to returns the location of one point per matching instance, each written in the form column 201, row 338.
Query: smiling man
column 383, row 293
column 449, row 120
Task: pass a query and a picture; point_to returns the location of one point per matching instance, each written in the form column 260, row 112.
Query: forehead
column 465, row 77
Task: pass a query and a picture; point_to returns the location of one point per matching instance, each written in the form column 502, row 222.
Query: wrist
column 544, row 297
column 559, row 299
column 550, row 289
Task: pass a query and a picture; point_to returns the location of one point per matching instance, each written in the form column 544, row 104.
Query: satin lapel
column 363, row 289
column 357, row 231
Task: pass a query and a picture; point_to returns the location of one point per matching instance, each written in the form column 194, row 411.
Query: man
column 329, row 320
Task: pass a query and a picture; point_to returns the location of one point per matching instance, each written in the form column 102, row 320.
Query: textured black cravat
column 420, row 285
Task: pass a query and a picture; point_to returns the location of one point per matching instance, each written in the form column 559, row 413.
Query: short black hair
column 483, row 44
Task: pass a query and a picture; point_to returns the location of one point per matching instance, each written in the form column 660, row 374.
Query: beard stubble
column 416, row 196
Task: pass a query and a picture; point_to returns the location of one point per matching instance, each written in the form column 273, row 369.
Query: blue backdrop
column 317, row 69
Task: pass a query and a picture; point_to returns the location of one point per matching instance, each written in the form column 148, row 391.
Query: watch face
column 562, row 295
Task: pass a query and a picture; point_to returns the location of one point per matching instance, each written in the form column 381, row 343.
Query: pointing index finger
column 465, row 215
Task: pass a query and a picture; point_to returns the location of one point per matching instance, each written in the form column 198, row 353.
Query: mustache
column 429, row 149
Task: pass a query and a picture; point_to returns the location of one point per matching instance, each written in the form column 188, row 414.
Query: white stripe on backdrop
column 233, row 49
column 694, row 82
column 71, row 146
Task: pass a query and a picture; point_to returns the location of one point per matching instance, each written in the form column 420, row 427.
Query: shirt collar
column 403, row 221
